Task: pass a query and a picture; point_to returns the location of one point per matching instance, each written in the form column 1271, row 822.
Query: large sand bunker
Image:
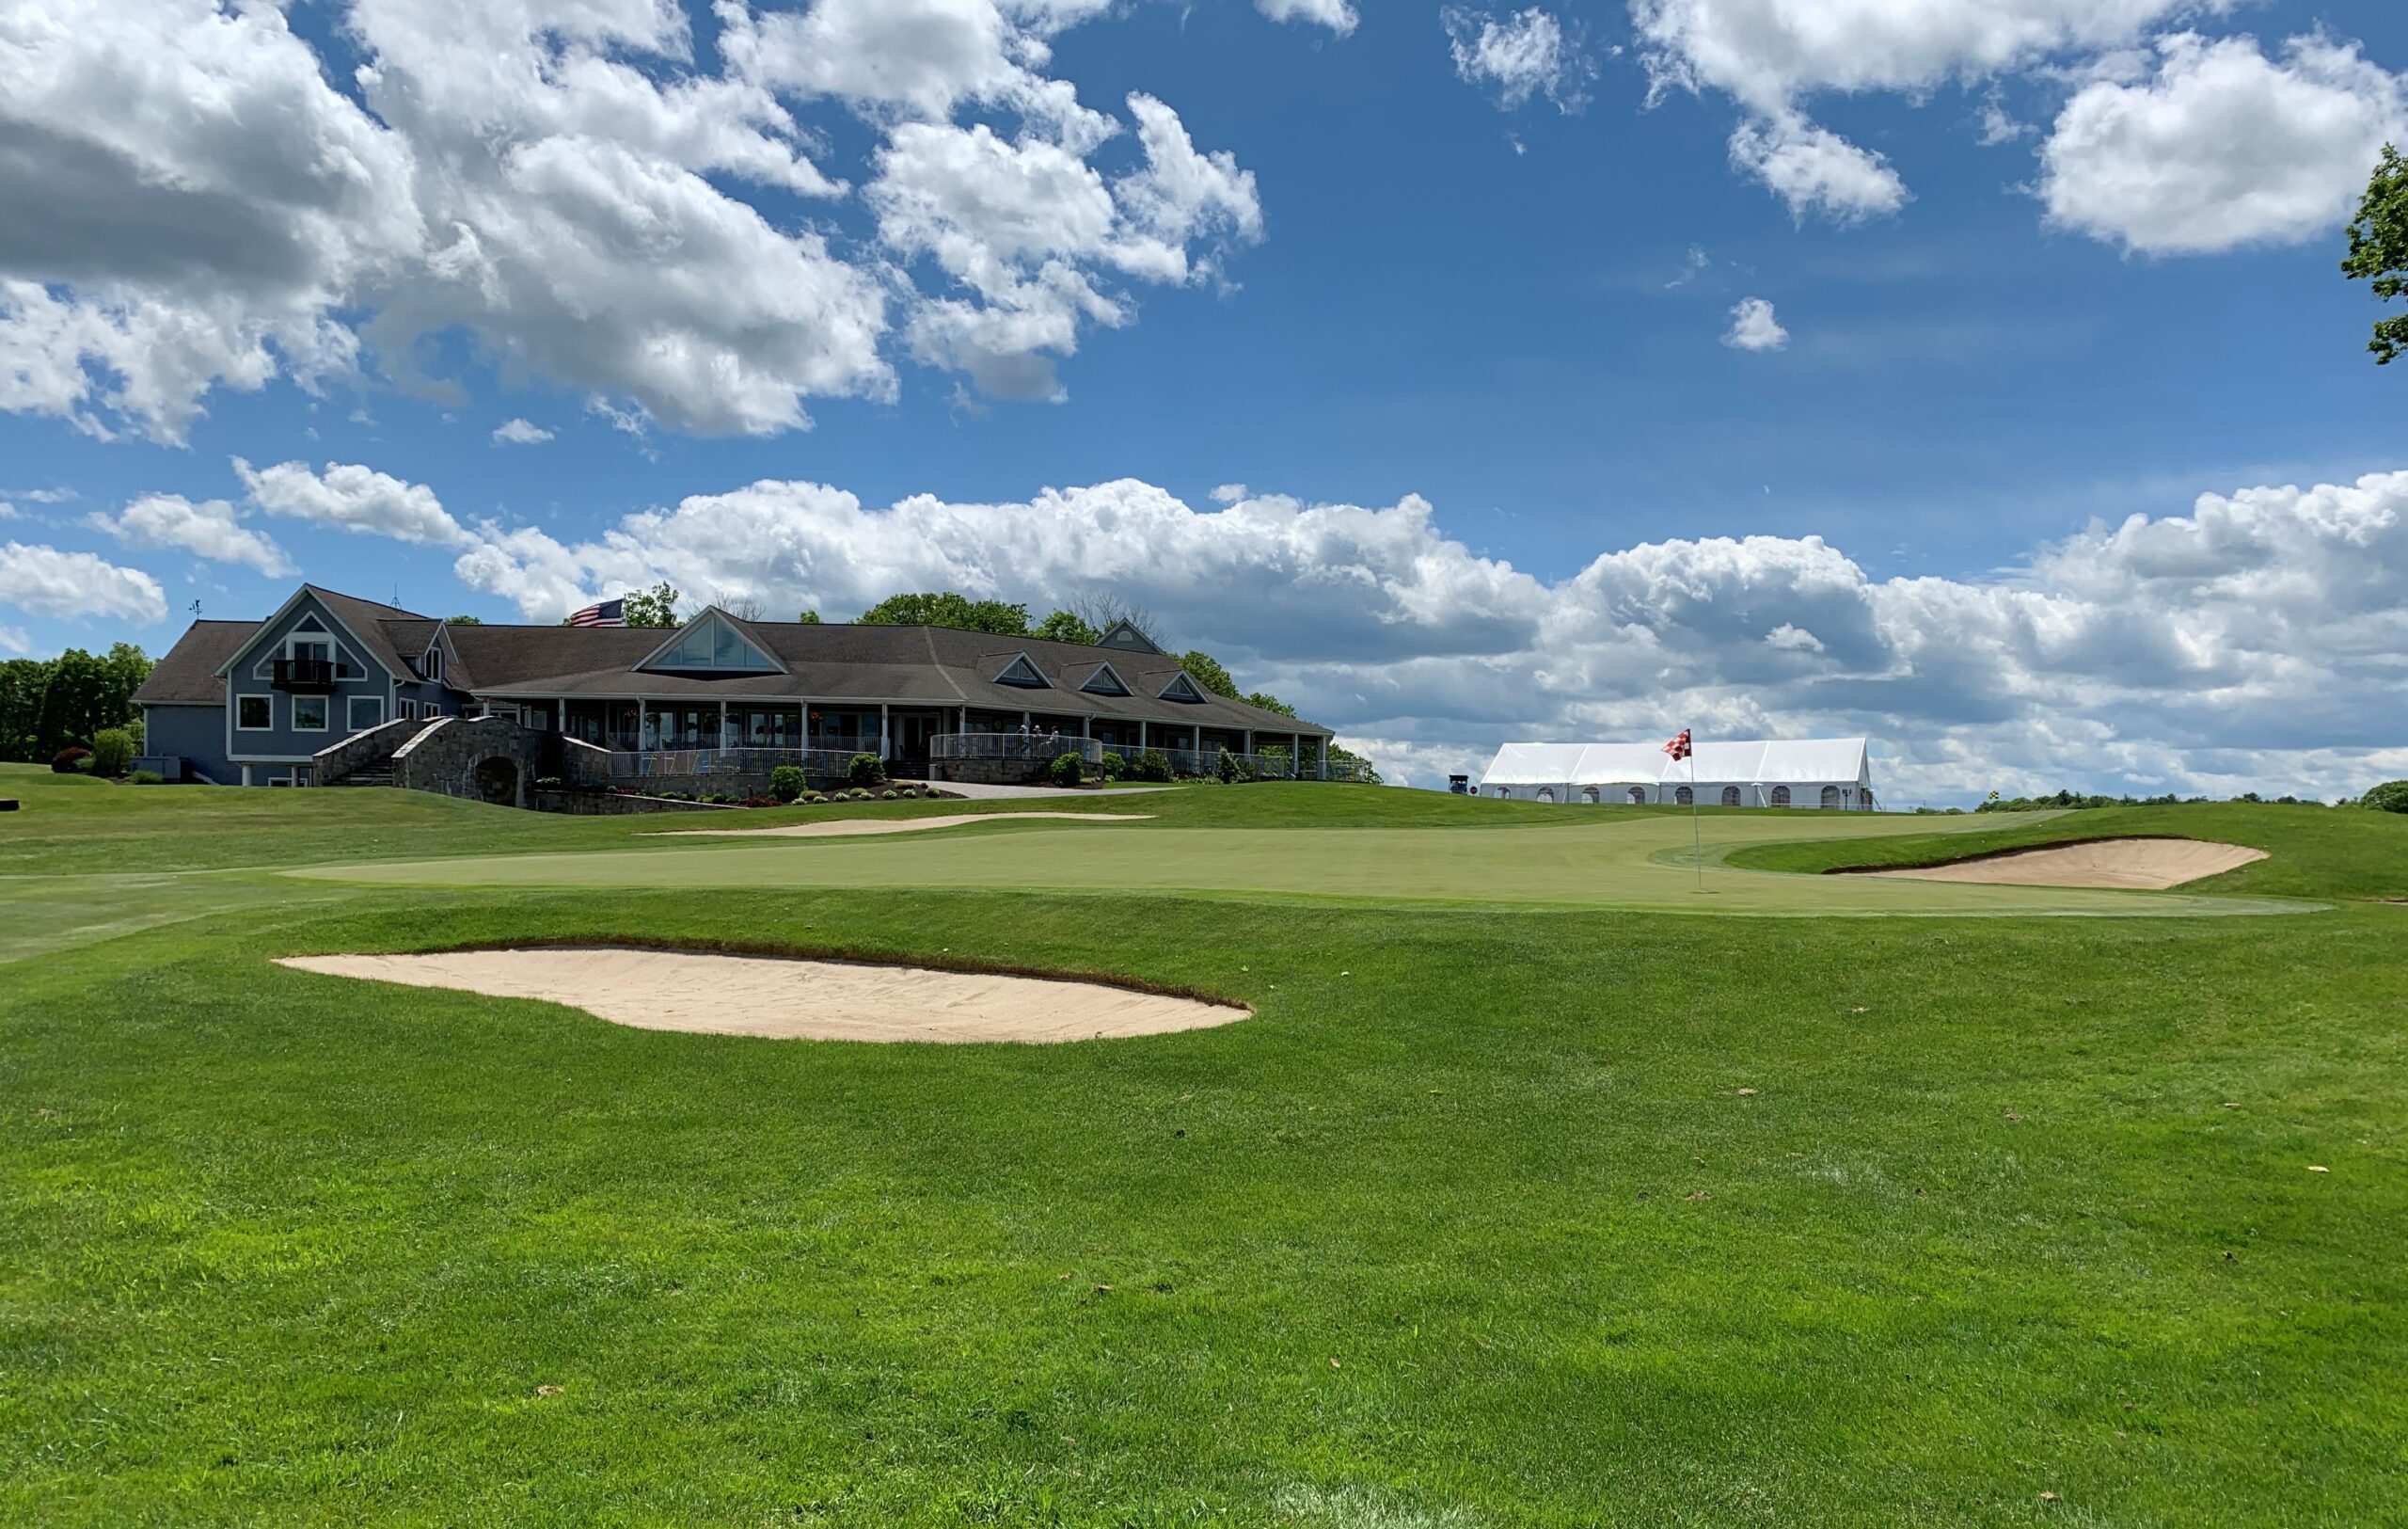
column 851, row 827
column 814, row 1000
column 2140, row 864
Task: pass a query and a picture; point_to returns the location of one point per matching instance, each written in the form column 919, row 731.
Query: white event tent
column 1823, row 773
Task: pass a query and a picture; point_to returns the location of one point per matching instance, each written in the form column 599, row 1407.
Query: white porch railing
column 643, row 764
column 1044, row 748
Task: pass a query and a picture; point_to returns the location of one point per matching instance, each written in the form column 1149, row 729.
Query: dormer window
column 433, row 665
column 1021, row 671
column 1105, row 682
column 1183, row 690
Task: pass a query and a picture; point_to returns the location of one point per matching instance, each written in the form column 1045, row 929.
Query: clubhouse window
column 364, row 711
column 308, row 713
column 252, row 714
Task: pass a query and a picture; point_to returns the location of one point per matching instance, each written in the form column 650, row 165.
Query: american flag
column 1679, row 748
column 609, row 613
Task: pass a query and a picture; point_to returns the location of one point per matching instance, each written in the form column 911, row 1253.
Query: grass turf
column 285, row 1248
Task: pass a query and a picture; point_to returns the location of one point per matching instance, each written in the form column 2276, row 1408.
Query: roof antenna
column 196, row 610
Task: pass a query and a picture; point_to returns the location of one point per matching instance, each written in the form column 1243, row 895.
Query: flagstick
column 1697, row 848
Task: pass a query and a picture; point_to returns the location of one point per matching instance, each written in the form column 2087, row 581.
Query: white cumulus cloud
column 77, row 586
column 1517, row 55
column 209, row 529
column 349, row 497
column 2220, row 145
column 520, row 433
column 1338, row 15
column 568, row 183
column 1754, row 327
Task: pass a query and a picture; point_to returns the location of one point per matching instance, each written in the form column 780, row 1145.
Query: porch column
column 1296, row 756
column 1141, row 736
column 640, row 711
column 1247, row 737
column 723, row 724
column 1321, row 753
column 883, row 750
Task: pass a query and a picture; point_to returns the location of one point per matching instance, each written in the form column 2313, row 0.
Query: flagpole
column 1697, row 847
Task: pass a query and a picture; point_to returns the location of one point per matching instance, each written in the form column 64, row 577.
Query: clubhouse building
column 287, row 701
column 1830, row 773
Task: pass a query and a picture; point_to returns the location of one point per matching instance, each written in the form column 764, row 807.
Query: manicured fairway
column 1630, row 862
column 1501, row 1215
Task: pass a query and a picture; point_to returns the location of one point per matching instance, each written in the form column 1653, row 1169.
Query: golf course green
column 1513, row 1202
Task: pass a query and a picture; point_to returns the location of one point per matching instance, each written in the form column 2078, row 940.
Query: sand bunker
column 814, row 1000
column 2141, row 865
column 849, row 827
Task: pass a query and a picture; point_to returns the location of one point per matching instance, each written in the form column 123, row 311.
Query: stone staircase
column 378, row 771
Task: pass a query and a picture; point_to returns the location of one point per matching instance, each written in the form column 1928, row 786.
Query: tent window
column 1638, row 796
column 1685, row 797
column 1589, row 794
column 1546, row 793
column 1730, row 796
column 1831, row 797
column 1781, row 796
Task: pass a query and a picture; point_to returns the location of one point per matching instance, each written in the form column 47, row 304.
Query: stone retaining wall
column 612, row 804
column 493, row 759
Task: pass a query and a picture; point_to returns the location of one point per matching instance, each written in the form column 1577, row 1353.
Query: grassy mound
column 2311, row 852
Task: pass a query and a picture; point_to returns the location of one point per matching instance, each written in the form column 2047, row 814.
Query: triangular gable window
column 1105, row 682
column 1182, row 689
column 1125, row 635
column 309, row 624
column 1024, row 674
column 712, row 644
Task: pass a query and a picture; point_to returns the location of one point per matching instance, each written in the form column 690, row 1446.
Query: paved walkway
column 1015, row 793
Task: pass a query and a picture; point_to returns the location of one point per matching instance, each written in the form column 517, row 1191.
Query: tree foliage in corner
column 1206, row 671
column 653, row 607
column 1067, row 627
column 949, row 609
column 2379, row 250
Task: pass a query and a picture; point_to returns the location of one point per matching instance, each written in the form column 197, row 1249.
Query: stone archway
column 496, row 780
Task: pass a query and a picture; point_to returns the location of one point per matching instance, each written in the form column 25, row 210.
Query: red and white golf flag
column 1679, row 748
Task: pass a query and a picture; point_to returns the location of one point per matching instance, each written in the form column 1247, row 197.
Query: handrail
column 1044, row 746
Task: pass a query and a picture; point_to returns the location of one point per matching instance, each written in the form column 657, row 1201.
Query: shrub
column 757, row 800
column 2391, row 796
column 72, row 761
column 112, row 751
column 1112, row 766
column 548, row 783
column 786, row 782
column 886, row 796
column 1064, row 769
column 1151, row 765
column 1226, row 769
column 865, row 770
column 148, row 777
column 814, row 799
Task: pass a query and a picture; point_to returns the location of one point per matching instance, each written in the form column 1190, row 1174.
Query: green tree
column 949, row 610
column 2379, row 250
column 464, row 621
column 1343, row 760
column 1269, row 703
column 112, row 751
column 1206, row 671
column 21, row 682
column 2391, row 796
column 810, row 618
column 653, row 607
column 1065, row 626
column 74, row 703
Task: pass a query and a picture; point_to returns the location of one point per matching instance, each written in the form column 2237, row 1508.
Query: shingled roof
column 187, row 674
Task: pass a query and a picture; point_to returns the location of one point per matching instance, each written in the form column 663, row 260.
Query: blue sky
column 1444, row 288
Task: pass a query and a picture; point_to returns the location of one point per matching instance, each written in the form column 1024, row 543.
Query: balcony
column 305, row 677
